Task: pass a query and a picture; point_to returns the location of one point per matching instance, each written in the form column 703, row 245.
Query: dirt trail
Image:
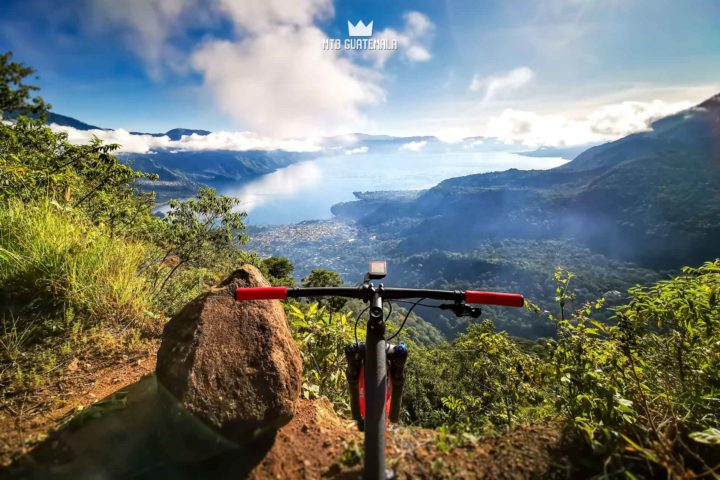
column 316, row 443
column 83, row 382
column 132, row 439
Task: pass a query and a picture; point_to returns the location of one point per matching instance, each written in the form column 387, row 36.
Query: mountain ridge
column 650, row 197
column 174, row 133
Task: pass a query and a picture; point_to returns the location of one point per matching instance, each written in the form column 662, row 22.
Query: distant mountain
column 175, row 133
column 178, row 133
column 57, row 119
column 66, row 121
column 211, row 166
column 652, row 198
column 183, row 172
column 567, row 153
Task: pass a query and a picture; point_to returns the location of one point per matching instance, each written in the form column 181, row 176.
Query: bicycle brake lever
column 462, row 309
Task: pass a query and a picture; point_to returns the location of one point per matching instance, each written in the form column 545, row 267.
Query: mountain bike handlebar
column 374, row 360
column 364, row 293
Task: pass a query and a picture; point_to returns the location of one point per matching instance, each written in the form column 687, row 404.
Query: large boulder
column 232, row 364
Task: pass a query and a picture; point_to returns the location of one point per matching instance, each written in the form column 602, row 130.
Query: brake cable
column 390, row 311
column 357, row 319
column 407, row 314
column 459, row 310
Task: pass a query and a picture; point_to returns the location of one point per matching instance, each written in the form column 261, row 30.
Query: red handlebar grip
column 261, row 293
column 492, row 298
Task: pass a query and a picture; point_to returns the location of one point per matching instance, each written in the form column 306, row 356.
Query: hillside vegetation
column 630, row 211
column 651, row 198
column 87, row 272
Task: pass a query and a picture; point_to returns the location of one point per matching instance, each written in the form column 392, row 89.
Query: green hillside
column 652, row 198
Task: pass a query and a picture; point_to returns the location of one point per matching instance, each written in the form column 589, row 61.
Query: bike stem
column 375, row 390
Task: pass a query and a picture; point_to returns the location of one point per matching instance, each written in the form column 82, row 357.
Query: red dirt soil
column 83, row 382
column 318, row 444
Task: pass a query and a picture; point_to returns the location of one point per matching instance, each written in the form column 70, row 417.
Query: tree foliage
column 279, row 267
column 322, row 337
column 326, row 278
column 280, row 271
column 16, row 96
column 202, row 231
column 37, row 162
column 643, row 391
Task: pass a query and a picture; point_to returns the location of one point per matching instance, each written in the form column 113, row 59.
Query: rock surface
column 233, row 364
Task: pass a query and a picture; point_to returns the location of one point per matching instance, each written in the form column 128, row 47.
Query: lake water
column 307, row 190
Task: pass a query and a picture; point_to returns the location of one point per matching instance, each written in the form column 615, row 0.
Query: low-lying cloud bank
column 606, row 123
column 237, row 141
column 511, row 126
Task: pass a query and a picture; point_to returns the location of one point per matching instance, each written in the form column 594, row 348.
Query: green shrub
column 322, row 337
column 483, row 382
column 645, row 391
column 642, row 390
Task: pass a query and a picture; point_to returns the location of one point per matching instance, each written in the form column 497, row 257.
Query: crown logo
column 360, row 30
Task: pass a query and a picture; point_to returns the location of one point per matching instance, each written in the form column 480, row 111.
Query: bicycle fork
column 361, row 403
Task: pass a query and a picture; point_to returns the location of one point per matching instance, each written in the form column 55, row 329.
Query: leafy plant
column 14, row 336
column 322, row 337
column 279, row 271
column 642, row 390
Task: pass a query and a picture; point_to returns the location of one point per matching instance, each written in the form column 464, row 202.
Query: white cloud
column 281, row 82
column 237, row 141
column 129, row 143
column 413, row 146
column 277, row 80
column 413, row 40
column 499, row 85
column 418, row 28
column 262, row 15
column 354, row 151
column 243, row 141
column 346, row 139
column 418, row 24
column 603, row 124
column 273, row 77
column 622, row 118
column 147, row 27
column 453, row 134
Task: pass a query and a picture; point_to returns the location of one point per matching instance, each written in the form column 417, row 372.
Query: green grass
column 55, row 263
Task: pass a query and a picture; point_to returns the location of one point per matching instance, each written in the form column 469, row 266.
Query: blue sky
column 539, row 72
